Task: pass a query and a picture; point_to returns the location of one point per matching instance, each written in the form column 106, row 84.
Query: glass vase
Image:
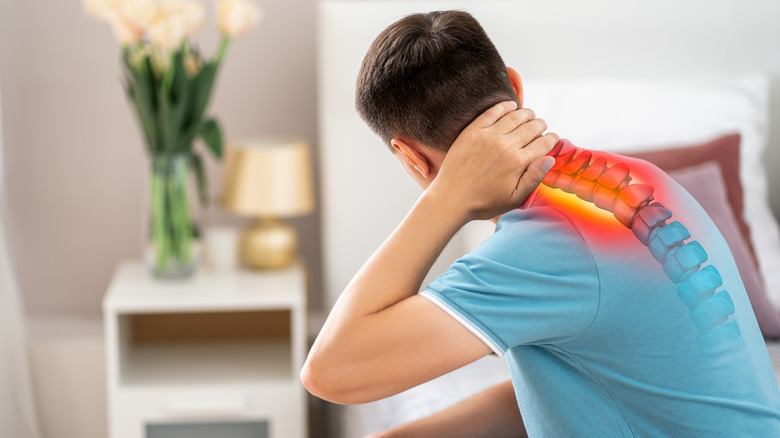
column 173, row 248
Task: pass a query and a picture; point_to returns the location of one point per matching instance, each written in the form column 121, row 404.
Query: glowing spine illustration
column 610, row 188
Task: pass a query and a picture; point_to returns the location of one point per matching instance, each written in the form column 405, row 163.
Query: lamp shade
column 268, row 176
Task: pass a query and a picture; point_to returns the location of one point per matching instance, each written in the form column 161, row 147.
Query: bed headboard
column 365, row 193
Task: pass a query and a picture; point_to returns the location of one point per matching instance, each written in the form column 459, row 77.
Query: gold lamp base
column 268, row 244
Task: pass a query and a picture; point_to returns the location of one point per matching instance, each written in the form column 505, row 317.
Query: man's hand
column 496, row 162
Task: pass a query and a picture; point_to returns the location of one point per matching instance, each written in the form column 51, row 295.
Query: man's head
column 427, row 76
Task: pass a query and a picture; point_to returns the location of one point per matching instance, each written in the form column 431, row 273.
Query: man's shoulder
column 539, row 224
column 535, row 217
column 534, row 238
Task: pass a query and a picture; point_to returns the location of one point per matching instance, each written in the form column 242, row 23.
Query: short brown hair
column 427, row 76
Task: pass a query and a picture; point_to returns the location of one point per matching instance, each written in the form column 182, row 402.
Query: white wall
column 75, row 160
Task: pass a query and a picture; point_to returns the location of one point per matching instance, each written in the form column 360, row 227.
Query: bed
column 691, row 85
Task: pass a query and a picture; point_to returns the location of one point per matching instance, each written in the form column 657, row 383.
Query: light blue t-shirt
column 598, row 342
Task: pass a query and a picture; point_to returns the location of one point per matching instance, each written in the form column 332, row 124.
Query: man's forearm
column 492, row 413
column 396, row 270
column 355, row 346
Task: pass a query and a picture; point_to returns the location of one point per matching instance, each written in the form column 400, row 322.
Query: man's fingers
column 527, row 132
column 511, row 121
column 542, row 145
column 535, row 150
column 492, row 115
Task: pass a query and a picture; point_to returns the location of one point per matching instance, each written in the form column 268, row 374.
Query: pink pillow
column 705, row 183
column 725, row 152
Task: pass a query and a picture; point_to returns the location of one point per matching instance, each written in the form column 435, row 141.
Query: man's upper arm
column 414, row 341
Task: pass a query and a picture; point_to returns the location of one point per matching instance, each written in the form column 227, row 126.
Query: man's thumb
column 537, row 170
column 533, row 176
column 547, row 163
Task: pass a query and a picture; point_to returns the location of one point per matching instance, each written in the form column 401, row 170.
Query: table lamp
column 268, row 178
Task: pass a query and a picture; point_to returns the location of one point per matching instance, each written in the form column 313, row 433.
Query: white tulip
column 166, row 23
column 125, row 31
column 174, row 21
column 194, row 14
column 168, row 32
column 142, row 13
column 236, row 17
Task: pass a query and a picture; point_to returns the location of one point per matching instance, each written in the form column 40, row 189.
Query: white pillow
column 634, row 115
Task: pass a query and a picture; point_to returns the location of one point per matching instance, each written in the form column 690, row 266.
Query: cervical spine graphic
column 610, row 188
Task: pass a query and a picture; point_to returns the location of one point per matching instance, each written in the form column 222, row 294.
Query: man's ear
column 517, row 83
column 413, row 155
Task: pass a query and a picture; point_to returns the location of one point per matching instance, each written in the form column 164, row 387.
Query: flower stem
column 223, row 46
column 172, row 225
column 159, row 217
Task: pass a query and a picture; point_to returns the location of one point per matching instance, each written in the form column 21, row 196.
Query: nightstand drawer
column 280, row 406
column 206, row 406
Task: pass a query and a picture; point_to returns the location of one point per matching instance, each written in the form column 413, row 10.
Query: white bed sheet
column 423, row 400
column 360, row 420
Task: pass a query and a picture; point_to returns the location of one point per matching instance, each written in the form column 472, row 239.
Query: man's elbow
column 324, row 381
column 313, row 379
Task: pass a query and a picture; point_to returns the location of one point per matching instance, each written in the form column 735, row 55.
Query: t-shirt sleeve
column 534, row 281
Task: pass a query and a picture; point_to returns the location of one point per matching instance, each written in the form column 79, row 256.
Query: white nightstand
column 214, row 355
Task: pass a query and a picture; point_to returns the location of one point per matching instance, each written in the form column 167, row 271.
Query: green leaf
column 179, row 81
column 200, row 176
column 179, row 103
column 141, row 91
column 204, row 82
column 127, row 83
column 164, row 119
column 211, row 134
column 200, row 88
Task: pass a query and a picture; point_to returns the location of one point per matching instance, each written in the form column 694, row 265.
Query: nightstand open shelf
column 220, row 348
column 212, row 363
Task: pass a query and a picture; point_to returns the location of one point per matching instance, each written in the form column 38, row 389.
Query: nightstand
column 214, row 355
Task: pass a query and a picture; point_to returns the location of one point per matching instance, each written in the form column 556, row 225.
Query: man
column 611, row 322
